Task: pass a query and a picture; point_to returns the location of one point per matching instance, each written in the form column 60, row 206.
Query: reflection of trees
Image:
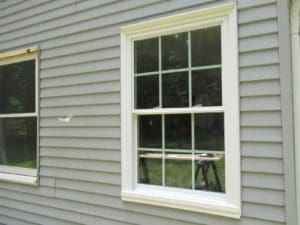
column 175, row 51
column 147, row 91
column 17, row 88
column 206, row 87
column 206, row 46
column 175, row 90
column 178, row 131
column 209, row 131
column 17, row 95
column 146, row 55
column 3, row 158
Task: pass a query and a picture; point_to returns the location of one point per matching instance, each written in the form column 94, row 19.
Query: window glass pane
column 147, row 91
column 174, row 51
column 206, row 46
column 178, row 131
column 210, row 172
column 146, row 55
column 207, row 88
column 17, row 87
column 209, row 131
column 178, row 170
column 149, row 131
column 175, row 90
column 18, row 142
column 150, row 168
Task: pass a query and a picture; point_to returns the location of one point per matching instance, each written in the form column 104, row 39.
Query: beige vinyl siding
column 80, row 161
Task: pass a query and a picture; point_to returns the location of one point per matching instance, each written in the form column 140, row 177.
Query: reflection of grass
column 154, row 169
column 25, row 164
column 178, row 174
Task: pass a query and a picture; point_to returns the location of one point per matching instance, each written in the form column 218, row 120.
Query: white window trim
column 18, row 174
column 228, row 204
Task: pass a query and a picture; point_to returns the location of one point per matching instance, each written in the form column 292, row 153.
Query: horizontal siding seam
column 244, row 81
column 89, row 82
column 112, row 68
column 61, row 208
column 113, row 208
column 76, row 23
column 16, row 219
column 95, row 214
column 257, row 50
column 107, row 47
column 263, row 188
column 256, row 5
column 9, row 4
column 33, row 213
column 115, row 80
column 251, row 36
column 47, row 12
column 259, row 65
column 259, row 95
column 254, row 21
column 26, row 6
column 81, row 63
column 80, row 74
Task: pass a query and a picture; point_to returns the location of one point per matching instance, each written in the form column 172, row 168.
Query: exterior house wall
column 80, row 166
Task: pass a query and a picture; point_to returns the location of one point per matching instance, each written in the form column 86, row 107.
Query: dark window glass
column 174, row 51
column 206, row 46
column 149, row 128
column 207, row 88
column 17, row 87
column 175, row 90
column 210, row 173
column 18, row 142
column 178, row 131
column 147, row 92
column 146, row 55
column 178, row 170
column 150, row 168
column 209, row 131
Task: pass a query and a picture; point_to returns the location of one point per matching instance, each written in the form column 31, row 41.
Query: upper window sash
column 12, row 173
column 19, row 56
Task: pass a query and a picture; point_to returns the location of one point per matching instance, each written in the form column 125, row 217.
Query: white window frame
column 12, row 173
column 226, row 204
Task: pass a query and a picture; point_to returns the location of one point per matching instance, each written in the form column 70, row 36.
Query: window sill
column 18, row 175
column 197, row 201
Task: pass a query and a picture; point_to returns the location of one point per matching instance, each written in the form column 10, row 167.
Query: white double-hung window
column 19, row 116
column 180, row 112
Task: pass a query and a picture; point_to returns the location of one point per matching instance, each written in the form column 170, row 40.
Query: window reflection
column 150, row 168
column 209, row 131
column 18, row 142
column 174, row 51
column 210, row 172
column 206, row 46
column 147, row 91
column 17, row 87
column 179, row 170
column 178, row 131
column 149, row 128
column 175, row 90
column 206, row 87
column 146, row 55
